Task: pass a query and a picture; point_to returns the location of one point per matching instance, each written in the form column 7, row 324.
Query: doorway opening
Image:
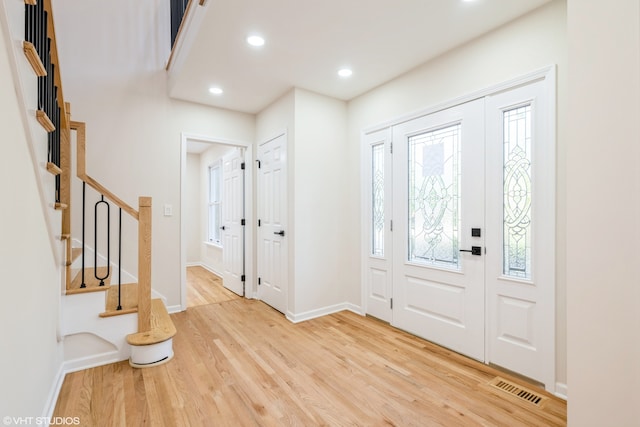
column 215, row 213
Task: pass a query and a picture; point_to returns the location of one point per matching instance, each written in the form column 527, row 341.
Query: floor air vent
column 518, row 391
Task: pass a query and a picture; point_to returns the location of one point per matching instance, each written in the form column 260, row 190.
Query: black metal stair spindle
column 84, row 192
column 119, row 259
column 95, row 240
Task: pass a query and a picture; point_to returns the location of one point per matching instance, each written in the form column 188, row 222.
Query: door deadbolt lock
column 475, row 250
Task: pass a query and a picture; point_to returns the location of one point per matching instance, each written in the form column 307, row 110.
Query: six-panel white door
column 232, row 216
column 272, row 218
column 438, row 191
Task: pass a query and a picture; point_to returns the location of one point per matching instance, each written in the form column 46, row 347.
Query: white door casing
column 378, row 265
column 520, row 273
column 232, row 221
column 272, row 220
column 438, row 290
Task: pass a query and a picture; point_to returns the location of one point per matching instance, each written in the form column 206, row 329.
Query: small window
column 215, row 186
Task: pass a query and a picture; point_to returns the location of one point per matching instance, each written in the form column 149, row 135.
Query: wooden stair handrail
column 81, row 171
column 143, row 216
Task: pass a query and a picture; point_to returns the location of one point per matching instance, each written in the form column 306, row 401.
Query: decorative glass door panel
column 434, row 197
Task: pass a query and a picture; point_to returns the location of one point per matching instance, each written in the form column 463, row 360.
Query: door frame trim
column 248, row 208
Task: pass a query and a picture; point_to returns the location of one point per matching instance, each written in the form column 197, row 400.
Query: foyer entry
column 460, row 206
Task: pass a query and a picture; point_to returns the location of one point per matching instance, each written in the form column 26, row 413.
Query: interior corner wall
column 529, row 43
column 325, row 241
column 31, row 357
column 603, row 190
column 117, row 84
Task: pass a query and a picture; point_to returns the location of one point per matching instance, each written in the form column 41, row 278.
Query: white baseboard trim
column 312, row 314
column 174, row 308
column 562, row 391
column 72, row 366
column 52, row 398
column 211, row 269
column 92, row 361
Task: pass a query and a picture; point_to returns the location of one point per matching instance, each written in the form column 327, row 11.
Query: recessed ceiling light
column 256, row 41
column 345, row 72
column 216, row 90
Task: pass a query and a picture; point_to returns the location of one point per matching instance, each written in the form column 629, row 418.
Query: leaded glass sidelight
column 517, row 192
column 434, row 197
column 377, row 200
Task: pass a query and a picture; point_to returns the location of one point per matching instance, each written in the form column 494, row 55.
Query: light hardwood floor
column 241, row 363
column 204, row 287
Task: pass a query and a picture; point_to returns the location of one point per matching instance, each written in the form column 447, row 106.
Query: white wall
column 324, row 241
column 529, row 43
column 193, row 212
column 118, row 86
column 31, row 357
column 603, row 233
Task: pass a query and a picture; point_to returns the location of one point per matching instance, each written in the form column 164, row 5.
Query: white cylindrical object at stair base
column 144, row 356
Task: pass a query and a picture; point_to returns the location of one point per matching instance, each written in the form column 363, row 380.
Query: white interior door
column 272, row 221
column 521, row 216
column 378, row 264
column 438, row 188
column 232, row 221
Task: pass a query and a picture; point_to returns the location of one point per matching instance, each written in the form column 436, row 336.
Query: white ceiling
column 307, row 42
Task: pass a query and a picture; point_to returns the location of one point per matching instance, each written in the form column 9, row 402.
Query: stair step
column 93, row 284
column 128, row 300
column 162, row 327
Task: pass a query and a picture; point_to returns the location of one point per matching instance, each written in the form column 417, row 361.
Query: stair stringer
column 80, row 316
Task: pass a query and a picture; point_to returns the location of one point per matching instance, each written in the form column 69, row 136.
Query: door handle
column 475, row 250
column 279, row 233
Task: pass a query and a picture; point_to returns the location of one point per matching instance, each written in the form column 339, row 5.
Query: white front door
column 232, row 221
column 473, row 253
column 272, row 221
column 438, row 283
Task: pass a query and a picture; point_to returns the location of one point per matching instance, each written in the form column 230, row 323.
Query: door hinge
column 391, row 303
column 242, row 278
column 391, row 148
column 259, row 223
column 242, row 221
column 259, row 164
column 242, row 165
column 259, row 281
column 391, row 225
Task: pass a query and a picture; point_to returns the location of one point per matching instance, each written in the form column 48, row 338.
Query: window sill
column 213, row 245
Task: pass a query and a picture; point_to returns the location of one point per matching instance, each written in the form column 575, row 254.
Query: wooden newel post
column 144, row 264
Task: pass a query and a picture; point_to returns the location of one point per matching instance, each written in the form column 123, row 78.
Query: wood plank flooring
column 204, row 287
column 241, row 363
